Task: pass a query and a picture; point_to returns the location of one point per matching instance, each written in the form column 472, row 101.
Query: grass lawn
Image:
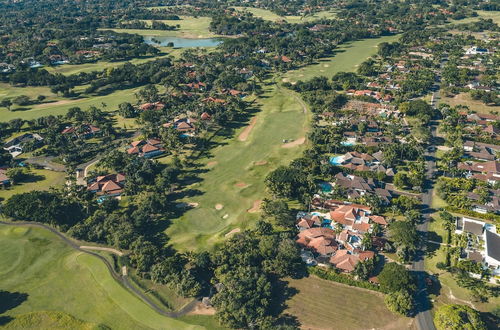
column 60, row 107
column 190, row 27
column 494, row 15
column 270, row 16
column 35, row 262
column 465, row 99
column 349, row 56
column 321, row 304
column 46, row 180
column 234, row 178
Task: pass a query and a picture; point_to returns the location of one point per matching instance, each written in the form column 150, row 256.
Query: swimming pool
column 347, row 143
column 336, row 160
column 325, row 187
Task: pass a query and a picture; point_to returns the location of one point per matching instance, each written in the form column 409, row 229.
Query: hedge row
column 487, row 216
column 331, row 275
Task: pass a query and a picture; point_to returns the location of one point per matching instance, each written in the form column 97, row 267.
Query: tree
column 279, row 211
column 6, row 103
column 21, row 100
column 289, row 182
column 126, row 110
column 148, row 94
column 399, row 302
column 405, row 237
column 458, row 317
column 16, row 174
column 244, row 298
column 395, row 277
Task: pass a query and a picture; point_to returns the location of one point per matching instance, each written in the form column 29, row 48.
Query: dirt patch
column 285, row 80
column 219, row 207
column 201, row 309
column 295, row 143
column 184, row 205
column 246, row 132
column 326, row 65
column 240, row 184
column 255, row 207
column 234, row 231
column 261, row 162
column 50, row 104
column 212, row 163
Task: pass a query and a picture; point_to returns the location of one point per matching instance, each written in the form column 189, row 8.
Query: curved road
column 122, row 279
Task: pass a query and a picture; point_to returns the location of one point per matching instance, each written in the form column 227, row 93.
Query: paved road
column 424, row 319
column 123, row 280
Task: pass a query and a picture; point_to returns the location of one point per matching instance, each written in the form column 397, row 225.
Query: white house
column 476, row 50
column 492, row 252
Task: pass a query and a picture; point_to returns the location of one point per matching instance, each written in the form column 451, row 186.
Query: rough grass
column 50, row 320
column 465, row 99
column 347, row 58
column 56, row 278
column 190, row 27
column 281, row 117
column 270, row 16
column 111, row 100
column 46, row 180
column 321, row 304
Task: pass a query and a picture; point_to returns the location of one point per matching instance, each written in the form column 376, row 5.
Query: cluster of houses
column 335, row 236
column 483, row 243
column 481, row 124
column 483, row 171
column 363, row 162
column 85, row 131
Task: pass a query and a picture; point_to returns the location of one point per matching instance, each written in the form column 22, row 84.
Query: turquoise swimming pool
column 335, row 160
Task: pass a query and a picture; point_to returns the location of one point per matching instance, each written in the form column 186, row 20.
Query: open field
column 235, row 162
column 465, row 99
column 349, row 56
column 46, row 180
column 56, row 278
column 190, row 27
column 321, row 304
column 68, row 69
column 111, row 100
column 494, row 15
column 270, row 16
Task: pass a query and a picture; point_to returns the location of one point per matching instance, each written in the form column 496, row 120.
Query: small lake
column 182, row 42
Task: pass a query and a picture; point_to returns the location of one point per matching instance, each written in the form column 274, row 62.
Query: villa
column 110, row 185
column 146, row 148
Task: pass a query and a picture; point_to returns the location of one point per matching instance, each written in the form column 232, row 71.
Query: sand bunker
column 212, row 163
column 255, row 207
column 295, row 143
column 240, row 184
column 246, row 132
column 234, row 231
column 261, row 162
column 219, row 207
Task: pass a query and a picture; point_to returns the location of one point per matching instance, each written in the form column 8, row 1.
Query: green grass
column 270, row 16
column 465, row 99
column 49, row 320
column 56, row 278
column 208, row 321
column 190, row 27
column 349, row 56
column 494, row 15
column 280, row 117
column 8, row 91
column 47, row 179
column 111, row 100
column 321, row 304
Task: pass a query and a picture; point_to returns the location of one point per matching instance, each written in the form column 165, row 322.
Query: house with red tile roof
column 110, row 185
column 487, row 171
column 86, row 131
column 146, row 148
column 153, row 106
column 319, row 240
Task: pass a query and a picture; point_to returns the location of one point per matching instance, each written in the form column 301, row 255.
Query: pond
column 182, row 42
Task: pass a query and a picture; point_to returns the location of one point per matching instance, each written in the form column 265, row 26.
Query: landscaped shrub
column 331, row 275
